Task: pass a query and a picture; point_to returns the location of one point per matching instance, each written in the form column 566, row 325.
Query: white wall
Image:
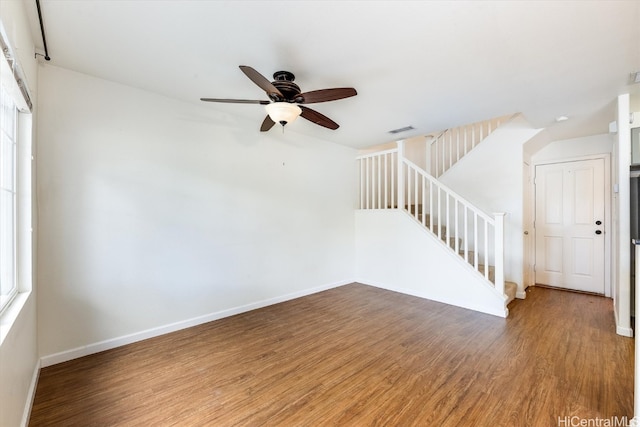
column 18, row 341
column 157, row 214
column 621, row 218
column 573, row 148
column 495, row 185
column 395, row 252
column 634, row 102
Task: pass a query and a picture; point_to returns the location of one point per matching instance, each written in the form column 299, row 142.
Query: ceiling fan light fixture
column 283, row 112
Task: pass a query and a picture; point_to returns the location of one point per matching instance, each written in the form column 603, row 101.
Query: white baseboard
column 31, row 395
column 75, row 353
column 521, row 294
column 625, row 332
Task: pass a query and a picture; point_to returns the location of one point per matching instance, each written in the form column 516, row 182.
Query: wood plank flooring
column 358, row 356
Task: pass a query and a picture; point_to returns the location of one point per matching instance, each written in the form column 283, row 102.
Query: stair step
column 452, row 241
column 470, row 256
column 492, row 272
column 418, row 215
column 412, row 209
column 471, row 260
column 427, row 223
column 510, row 290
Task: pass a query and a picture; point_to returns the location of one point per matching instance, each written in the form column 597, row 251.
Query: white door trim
column 608, row 261
column 529, row 192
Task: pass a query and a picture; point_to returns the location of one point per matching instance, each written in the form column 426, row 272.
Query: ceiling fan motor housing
column 283, row 81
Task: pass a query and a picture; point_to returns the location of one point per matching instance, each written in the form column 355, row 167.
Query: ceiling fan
column 286, row 101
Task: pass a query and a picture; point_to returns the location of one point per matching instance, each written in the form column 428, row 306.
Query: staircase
column 457, row 244
column 390, row 181
column 451, row 145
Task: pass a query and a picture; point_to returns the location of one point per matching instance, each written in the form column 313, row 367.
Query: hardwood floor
column 358, row 355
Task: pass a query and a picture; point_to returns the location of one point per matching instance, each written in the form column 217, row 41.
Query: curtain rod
column 44, row 39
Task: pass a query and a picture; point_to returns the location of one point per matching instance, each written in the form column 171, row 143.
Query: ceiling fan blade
column 236, row 101
column 317, row 118
column 261, row 81
column 267, row 124
column 325, row 95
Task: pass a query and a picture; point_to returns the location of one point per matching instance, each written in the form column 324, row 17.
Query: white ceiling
column 428, row 64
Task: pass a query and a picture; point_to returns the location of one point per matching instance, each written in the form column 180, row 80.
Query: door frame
column 528, row 213
column 608, row 202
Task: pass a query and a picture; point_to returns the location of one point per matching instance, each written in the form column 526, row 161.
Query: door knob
column 526, row 233
column 598, row 222
column 598, row 231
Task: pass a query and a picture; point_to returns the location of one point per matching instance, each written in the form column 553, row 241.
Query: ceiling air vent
column 404, row 129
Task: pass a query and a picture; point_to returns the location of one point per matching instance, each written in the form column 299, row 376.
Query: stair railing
column 378, row 180
column 448, row 147
column 388, row 180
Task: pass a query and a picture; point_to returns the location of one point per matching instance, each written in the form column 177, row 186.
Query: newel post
column 499, row 251
column 400, row 174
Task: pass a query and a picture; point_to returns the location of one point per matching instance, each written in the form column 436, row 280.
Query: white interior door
column 570, row 209
column 527, row 225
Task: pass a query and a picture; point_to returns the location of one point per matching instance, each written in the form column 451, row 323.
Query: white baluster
column 386, row 181
column 379, row 187
column 367, row 181
column 394, row 162
column 448, row 232
column 456, row 227
column 415, row 189
column 427, row 153
column 475, row 240
column 450, row 149
column 466, row 149
column 486, row 249
column 466, row 234
column 434, row 156
column 473, row 136
column 444, row 150
column 499, row 251
column 424, row 201
column 409, row 169
column 457, row 144
column 400, row 162
column 431, row 210
column 439, row 213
